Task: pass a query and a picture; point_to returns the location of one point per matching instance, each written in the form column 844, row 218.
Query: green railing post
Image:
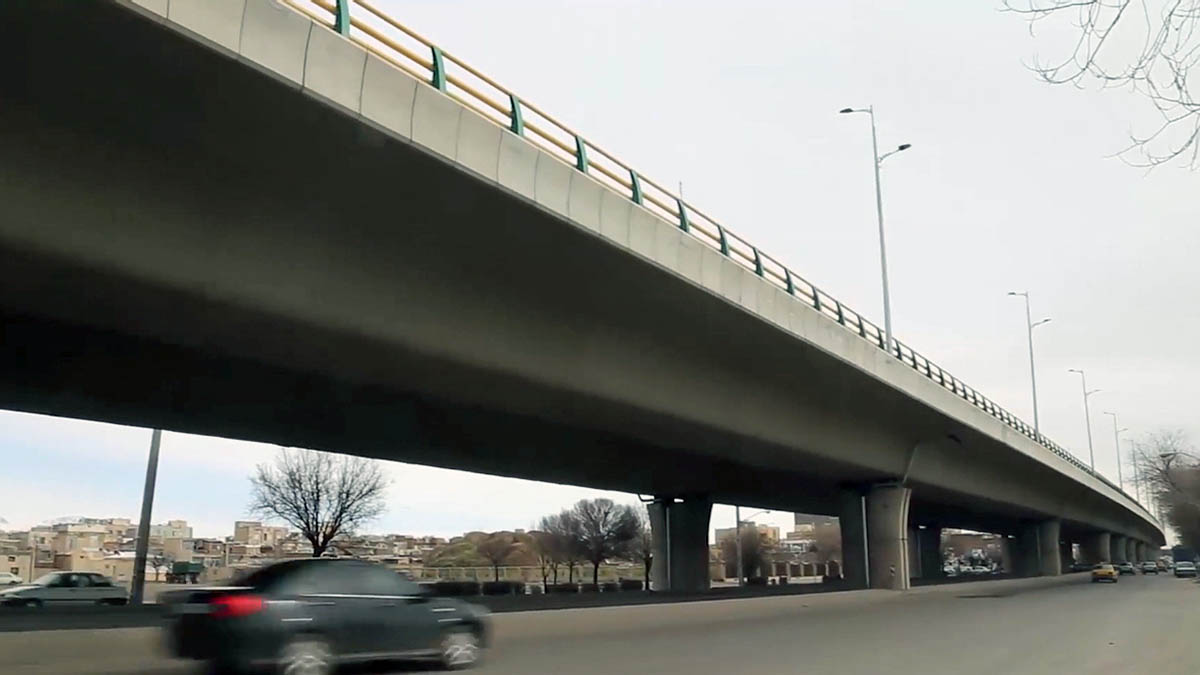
column 518, row 122
column 758, row 266
column 341, row 20
column 791, row 286
column 724, row 240
column 683, row 219
column 439, row 70
column 581, row 161
column 637, row 187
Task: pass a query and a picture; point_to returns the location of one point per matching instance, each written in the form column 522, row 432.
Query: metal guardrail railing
column 419, row 57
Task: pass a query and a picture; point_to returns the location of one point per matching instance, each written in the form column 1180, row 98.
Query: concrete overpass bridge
column 303, row 224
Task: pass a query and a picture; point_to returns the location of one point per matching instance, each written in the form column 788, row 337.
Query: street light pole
column 143, row 541
column 1117, row 445
column 887, row 302
column 1087, row 415
column 1029, row 326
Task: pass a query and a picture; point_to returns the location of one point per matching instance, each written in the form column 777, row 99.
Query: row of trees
column 1167, row 471
column 324, row 495
column 591, row 531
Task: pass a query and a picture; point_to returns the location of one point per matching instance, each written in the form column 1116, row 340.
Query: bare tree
column 754, row 551
column 605, row 530
column 643, row 543
column 1169, row 471
column 545, row 549
column 318, row 493
column 1147, row 46
column 497, row 548
column 564, row 531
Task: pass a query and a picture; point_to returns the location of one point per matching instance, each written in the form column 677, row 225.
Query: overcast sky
column 1007, row 187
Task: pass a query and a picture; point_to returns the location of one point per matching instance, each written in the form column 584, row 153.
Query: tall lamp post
column 1087, row 415
column 887, row 303
column 737, row 535
column 1117, row 445
column 1030, row 324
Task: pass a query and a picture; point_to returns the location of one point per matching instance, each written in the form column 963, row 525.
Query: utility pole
column 137, row 593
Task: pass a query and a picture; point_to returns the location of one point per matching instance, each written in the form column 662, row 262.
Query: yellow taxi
column 1104, row 572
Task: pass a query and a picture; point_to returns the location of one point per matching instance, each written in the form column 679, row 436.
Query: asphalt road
column 1061, row 625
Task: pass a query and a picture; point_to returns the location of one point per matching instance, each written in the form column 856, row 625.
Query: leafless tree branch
column 1159, row 68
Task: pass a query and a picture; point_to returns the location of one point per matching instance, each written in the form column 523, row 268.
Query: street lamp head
column 1038, row 323
column 846, row 110
column 903, row 146
column 1018, row 292
column 1074, row 370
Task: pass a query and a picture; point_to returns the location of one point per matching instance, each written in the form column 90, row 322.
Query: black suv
column 311, row 615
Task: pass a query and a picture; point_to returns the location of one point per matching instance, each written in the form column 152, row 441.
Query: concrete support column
column 914, row 554
column 852, row 518
column 1066, row 554
column 887, row 536
column 1028, row 550
column 1095, row 548
column 680, row 534
column 1050, row 548
column 1141, row 552
column 1009, row 554
column 1117, row 549
column 1131, row 550
column 929, row 551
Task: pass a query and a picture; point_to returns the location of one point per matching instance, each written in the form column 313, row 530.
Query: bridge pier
column 680, row 533
column 852, row 518
column 1141, row 552
column 1027, row 561
column 1131, row 550
column 1117, row 549
column 1095, row 548
column 1050, row 548
column 887, row 537
column 929, row 552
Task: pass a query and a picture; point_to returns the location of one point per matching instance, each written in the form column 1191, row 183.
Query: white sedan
column 61, row 588
column 8, row 579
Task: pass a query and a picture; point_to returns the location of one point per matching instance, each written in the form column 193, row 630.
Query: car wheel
column 460, row 649
column 306, row 655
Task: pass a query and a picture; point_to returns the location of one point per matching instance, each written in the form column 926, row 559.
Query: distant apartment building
column 173, row 529
column 17, row 562
column 255, row 533
column 768, row 533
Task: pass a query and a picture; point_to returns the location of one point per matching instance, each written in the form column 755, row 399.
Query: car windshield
column 47, row 579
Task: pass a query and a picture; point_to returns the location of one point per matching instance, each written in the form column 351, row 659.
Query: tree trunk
column 571, row 572
column 646, row 562
column 596, row 574
column 496, row 572
column 555, row 570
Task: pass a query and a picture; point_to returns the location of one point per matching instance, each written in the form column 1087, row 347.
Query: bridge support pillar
column 680, row 533
column 1050, row 549
column 1131, row 553
column 1141, row 552
column 1028, row 556
column 1095, row 548
column 1009, row 554
column 1117, row 549
column 887, row 536
column 852, row 518
column 929, row 552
